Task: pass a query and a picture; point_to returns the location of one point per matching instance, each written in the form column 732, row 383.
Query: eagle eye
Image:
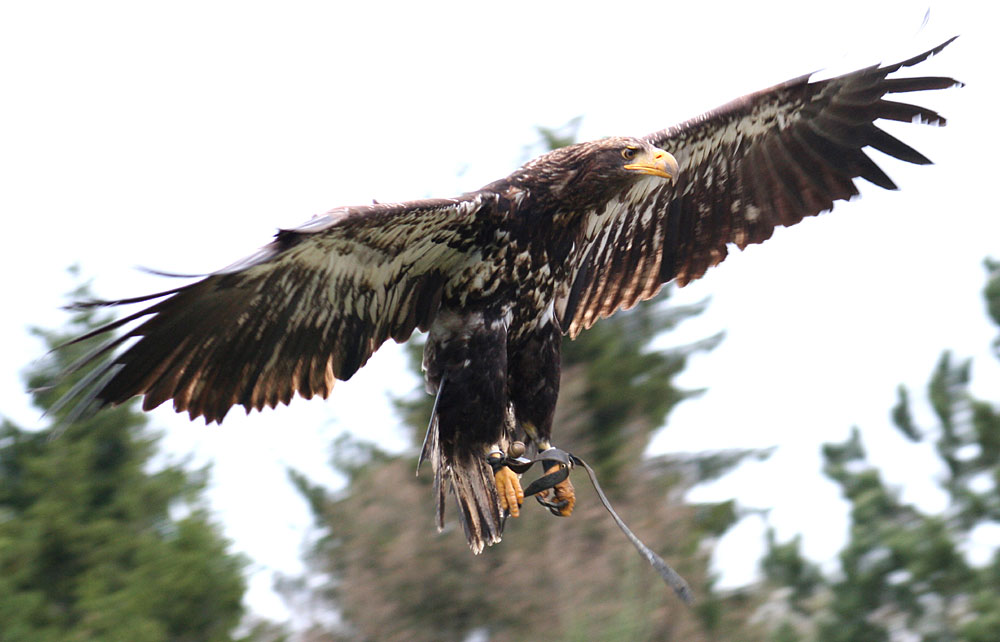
column 629, row 153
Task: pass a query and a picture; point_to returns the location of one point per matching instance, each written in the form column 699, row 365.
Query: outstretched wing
column 309, row 308
column 764, row 160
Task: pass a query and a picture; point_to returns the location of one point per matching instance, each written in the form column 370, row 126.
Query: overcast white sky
column 180, row 135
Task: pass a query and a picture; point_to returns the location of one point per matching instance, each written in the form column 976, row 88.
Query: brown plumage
column 497, row 275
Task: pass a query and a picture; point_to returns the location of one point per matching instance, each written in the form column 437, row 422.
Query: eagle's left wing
column 309, row 308
column 764, row 160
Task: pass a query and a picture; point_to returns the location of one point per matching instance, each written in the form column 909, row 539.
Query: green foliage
column 901, row 416
column 903, row 574
column 894, row 558
column 784, row 565
column 556, row 137
column 93, row 546
column 785, row 632
column 992, row 295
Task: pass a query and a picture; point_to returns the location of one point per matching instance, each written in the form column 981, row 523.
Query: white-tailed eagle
column 499, row 275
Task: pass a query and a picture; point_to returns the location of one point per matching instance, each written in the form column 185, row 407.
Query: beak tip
column 672, row 166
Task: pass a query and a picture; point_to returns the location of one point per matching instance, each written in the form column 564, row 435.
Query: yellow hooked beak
column 654, row 162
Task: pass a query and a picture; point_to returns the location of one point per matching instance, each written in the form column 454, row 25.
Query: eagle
column 497, row 276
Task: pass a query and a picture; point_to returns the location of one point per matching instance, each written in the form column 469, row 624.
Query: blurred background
column 809, row 434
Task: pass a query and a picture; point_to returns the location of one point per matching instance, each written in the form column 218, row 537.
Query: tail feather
column 478, row 502
column 471, row 480
column 432, row 452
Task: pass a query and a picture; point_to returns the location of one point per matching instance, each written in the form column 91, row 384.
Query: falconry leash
column 521, row 464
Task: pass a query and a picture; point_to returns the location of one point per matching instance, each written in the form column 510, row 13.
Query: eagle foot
column 509, row 490
column 565, row 495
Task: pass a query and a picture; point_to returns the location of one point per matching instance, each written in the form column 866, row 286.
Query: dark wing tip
column 919, row 58
column 172, row 275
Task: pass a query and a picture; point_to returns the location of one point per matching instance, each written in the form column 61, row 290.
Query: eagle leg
column 565, row 495
column 509, row 489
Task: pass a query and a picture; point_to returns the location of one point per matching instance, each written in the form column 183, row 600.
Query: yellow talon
column 509, row 489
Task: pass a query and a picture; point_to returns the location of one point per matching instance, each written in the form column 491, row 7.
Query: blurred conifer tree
column 96, row 542
column 903, row 573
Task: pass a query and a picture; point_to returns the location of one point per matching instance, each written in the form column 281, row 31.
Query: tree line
column 98, row 544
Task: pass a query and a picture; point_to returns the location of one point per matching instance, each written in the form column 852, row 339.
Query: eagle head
column 596, row 171
column 607, row 165
column 637, row 157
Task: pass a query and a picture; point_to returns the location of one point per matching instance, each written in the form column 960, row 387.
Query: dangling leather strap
column 520, row 465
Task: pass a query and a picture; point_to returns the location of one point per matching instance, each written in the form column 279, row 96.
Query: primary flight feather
column 498, row 275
